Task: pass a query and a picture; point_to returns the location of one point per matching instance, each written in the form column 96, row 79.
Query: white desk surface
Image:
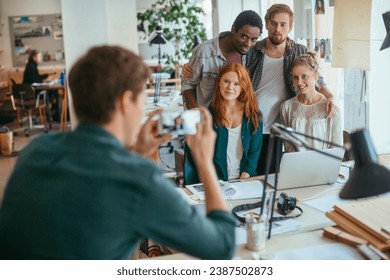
column 171, row 103
column 311, row 219
column 310, row 233
column 304, row 245
column 308, row 242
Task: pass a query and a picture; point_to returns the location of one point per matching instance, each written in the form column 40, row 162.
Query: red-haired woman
column 238, row 123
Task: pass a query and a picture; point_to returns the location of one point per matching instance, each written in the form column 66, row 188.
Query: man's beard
column 276, row 41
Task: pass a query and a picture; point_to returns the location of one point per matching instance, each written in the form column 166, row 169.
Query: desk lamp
column 368, row 178
column 386, row 19
column 157, row 39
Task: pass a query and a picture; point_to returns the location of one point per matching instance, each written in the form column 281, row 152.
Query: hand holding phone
column 203, row 142
column 148, row 139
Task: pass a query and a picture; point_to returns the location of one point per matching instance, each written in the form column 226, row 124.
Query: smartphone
column 179, row 123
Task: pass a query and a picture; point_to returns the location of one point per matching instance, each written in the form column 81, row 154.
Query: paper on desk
column 285, row 226
column 233, row 190
column 51, row 83
column 334, row 251
column 247, row 190
column 324, row 204
column 186, row 197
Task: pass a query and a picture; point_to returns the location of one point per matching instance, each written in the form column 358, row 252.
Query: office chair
column 24, row 102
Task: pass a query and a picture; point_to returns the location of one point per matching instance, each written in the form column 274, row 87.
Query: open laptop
column 308, row 168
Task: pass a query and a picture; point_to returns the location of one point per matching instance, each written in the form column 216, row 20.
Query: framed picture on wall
column 57, row 35
column 320, row 7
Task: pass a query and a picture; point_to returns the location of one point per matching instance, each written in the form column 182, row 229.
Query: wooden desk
column 64, row 106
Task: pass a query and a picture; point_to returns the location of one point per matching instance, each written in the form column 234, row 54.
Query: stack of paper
column 232, row 190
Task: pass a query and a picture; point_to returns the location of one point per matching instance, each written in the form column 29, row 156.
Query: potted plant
column 181, row 24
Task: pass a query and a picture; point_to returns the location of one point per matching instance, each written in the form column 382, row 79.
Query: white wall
column 378, row 82
column 228, row 10
column 90, row 23
column 22, row 8
column 94, row 21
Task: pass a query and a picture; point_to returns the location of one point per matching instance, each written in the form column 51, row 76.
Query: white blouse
column 311, row 120
column 234, row 152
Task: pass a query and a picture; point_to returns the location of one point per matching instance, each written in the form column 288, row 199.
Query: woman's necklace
column 233, row 117
column 230, row 119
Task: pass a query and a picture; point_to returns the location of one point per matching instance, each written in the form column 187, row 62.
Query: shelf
column 42, row 32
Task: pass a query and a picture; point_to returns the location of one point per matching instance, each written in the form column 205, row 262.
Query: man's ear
column 126, row 101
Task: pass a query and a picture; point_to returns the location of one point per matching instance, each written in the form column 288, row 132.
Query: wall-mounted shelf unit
column 41, row 32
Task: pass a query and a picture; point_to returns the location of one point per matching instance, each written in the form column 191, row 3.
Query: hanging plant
column 180, row 20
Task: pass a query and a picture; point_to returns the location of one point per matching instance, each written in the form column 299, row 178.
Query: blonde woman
column 306, row 112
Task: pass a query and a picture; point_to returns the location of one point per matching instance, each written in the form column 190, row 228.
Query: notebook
column 308, row 168
column 231, row 190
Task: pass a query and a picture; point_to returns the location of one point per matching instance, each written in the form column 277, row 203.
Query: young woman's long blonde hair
column 247, row 97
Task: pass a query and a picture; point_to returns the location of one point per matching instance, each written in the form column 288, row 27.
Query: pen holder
column 255, row 228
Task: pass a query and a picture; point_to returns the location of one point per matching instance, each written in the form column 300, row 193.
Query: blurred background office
column 359, row 90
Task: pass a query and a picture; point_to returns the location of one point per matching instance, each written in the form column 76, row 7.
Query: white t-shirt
column 272, row 91
column 234, row 152
column 311, row 120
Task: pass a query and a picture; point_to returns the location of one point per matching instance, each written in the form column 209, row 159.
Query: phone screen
column 178, row 124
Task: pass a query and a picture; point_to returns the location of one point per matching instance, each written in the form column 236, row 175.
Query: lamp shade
column 386, row 19
column 367, row 178
column 156, row 37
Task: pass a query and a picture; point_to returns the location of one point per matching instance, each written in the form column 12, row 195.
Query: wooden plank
column 386, row 229
column 343, row 237
column 371, row 214
column 354, row 229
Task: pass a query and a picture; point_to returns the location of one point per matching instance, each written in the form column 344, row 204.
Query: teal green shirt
column 82, row 195
column 251, row 144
